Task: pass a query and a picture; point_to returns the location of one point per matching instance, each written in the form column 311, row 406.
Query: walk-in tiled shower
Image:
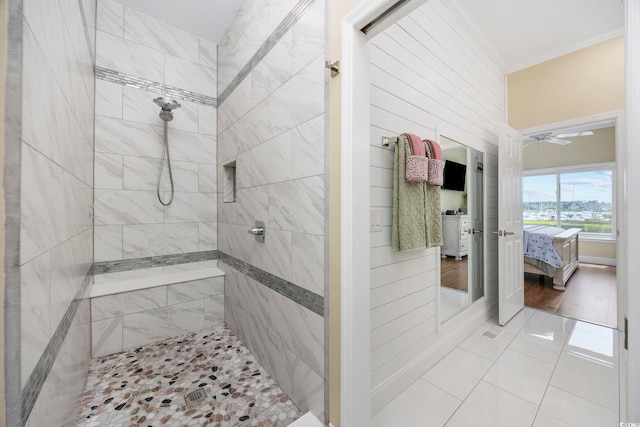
column 162, row 302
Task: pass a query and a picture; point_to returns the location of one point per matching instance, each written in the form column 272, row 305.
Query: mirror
column 462, row 252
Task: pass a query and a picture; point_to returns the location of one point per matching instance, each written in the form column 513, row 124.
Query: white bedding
column 538, row 244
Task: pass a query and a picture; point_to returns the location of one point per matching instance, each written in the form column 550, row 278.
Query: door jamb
column 631, row 197
column 616, row 119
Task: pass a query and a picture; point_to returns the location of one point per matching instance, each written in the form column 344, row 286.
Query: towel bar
column 387, row 140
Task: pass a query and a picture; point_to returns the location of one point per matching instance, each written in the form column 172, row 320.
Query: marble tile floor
column 146, row 387
column 542, row 370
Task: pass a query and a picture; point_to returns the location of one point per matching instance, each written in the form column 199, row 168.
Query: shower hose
column 165, row 152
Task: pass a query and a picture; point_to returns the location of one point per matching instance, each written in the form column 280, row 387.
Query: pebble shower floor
column 146, row 387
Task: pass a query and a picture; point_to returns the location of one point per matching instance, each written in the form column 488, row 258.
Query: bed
column 563, row 243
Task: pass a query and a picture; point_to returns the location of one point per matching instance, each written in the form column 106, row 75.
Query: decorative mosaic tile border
column 36, row 380
column 287, row 23
column 305, row 298
column 152, row 261
column 155, row 87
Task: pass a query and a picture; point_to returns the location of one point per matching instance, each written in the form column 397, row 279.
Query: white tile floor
column 542, row 371
column 452, row 301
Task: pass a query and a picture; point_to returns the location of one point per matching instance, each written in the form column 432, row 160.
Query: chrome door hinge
column 626, row 333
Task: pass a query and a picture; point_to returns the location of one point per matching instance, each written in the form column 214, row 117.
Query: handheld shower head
column 166, row 105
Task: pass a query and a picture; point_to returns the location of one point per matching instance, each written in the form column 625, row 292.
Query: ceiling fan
column 554, row 139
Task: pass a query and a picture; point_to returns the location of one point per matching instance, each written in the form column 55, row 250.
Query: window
column 573, row 197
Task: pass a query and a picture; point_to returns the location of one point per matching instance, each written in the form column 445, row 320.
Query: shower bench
column 137, row 307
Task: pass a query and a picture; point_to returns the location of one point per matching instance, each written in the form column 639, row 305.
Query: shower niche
column 229, row 183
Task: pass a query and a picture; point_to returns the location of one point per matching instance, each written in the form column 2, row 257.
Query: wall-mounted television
column 454, row 176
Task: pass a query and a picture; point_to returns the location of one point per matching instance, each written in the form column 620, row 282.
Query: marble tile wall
column 272, row 126
column 253, row 23
column 58, row 403
column 130, row 222
column 127, row 320
column 56, row 197
column 277, row 140
column 285, row 337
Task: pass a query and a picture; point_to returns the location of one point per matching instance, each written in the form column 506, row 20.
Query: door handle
column 499, row 233
column 508, row 233
column 473, row 231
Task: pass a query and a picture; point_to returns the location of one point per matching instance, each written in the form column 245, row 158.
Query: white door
column 510, row 250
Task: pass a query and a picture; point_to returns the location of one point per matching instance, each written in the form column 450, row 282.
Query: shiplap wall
column 427, row 71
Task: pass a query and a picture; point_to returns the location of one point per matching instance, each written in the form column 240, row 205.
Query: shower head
column 166, row 105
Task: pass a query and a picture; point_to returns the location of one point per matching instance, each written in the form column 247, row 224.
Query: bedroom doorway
column 570, row 182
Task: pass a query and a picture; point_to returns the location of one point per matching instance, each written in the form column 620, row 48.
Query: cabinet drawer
column 464, row 245
column 464, row 234
column 464, row 222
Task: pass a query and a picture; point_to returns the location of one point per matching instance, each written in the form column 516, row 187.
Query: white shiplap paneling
column 428, row 72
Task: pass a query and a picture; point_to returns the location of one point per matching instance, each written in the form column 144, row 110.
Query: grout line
column 555, row 366
column 56, row 163
column 445, row 391
column 493, row 362
column 23, row 262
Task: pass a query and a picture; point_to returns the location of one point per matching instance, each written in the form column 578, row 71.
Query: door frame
column 615, row 119
column 355, row 357
column 631, row 196
column 355, row 307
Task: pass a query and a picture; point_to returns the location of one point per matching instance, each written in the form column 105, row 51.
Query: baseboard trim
column 597, row 260
column 449, row 337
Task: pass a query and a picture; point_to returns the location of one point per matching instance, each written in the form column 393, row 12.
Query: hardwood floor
column 591, row 295
column 454, row 273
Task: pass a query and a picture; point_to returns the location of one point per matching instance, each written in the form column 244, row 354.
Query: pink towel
column 417, row 146
column 437, row 150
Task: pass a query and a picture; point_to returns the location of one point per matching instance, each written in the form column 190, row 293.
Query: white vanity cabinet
column 455, row 236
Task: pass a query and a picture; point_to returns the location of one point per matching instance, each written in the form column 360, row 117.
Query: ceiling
column 523, row 32
column 527, row 32
column 208, row 19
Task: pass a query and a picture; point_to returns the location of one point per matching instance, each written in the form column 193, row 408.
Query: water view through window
column 570, row 200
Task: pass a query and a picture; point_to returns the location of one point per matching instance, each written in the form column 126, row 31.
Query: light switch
column 376, row 220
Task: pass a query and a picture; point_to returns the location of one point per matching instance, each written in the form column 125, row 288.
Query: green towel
column 417, row 221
